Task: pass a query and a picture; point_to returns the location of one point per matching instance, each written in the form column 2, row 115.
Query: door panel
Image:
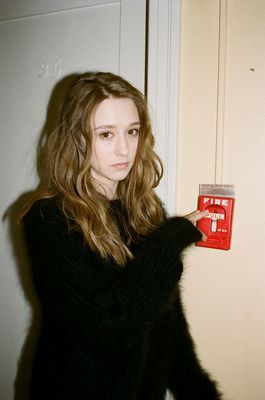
column 37, row 52
column 10, row 9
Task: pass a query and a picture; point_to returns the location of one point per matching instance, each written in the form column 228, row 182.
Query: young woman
column 106, row 261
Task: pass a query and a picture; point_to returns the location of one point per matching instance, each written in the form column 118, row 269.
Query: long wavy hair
column 66, row 156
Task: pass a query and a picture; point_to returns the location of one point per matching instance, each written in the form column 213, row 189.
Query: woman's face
column 116, row 126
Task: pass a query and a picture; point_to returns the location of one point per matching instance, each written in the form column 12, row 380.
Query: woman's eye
column 105, row 135
column 133, row 132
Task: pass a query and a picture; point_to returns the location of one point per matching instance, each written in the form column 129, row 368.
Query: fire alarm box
column 218, row 200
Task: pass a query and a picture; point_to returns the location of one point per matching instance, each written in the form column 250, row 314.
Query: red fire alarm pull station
column 218, row 200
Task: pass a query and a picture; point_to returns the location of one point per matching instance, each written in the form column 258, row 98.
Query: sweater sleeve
column 109, row 309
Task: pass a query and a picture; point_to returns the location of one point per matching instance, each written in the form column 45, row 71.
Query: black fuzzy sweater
column 110, row 333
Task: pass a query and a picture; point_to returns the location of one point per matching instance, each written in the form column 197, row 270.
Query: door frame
column 163, row 65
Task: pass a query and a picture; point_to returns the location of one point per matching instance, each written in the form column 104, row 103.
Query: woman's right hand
column 196, row 216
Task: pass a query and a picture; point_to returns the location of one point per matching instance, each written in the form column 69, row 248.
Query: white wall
column 222, row 140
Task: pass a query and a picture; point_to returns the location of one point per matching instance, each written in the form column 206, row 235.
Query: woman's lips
column 121, row 165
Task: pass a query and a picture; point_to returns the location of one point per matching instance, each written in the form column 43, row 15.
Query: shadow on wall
column 21, row 383
column 23, row 270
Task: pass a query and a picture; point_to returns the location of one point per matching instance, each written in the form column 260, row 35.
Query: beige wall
column 222, row 140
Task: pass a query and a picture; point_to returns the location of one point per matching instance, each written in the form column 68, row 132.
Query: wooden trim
column 221, row 82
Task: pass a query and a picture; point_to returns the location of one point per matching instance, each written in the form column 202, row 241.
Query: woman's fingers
column 196, row 216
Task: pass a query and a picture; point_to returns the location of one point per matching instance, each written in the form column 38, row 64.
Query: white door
column 41, row 42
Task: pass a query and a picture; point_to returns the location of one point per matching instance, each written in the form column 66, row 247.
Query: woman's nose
column 121, row 146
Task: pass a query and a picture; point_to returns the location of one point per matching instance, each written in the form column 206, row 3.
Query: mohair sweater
column 111, row 333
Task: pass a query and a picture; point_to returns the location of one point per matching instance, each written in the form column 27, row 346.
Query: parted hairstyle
column 67, row 155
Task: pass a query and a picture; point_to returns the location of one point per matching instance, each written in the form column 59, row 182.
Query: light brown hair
column 67, row 154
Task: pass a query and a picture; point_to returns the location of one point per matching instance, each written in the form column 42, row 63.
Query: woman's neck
column 107, row 190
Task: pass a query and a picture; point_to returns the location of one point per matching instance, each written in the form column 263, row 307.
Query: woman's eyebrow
column 114, row 126
column 135, row 123
column 104, row 127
